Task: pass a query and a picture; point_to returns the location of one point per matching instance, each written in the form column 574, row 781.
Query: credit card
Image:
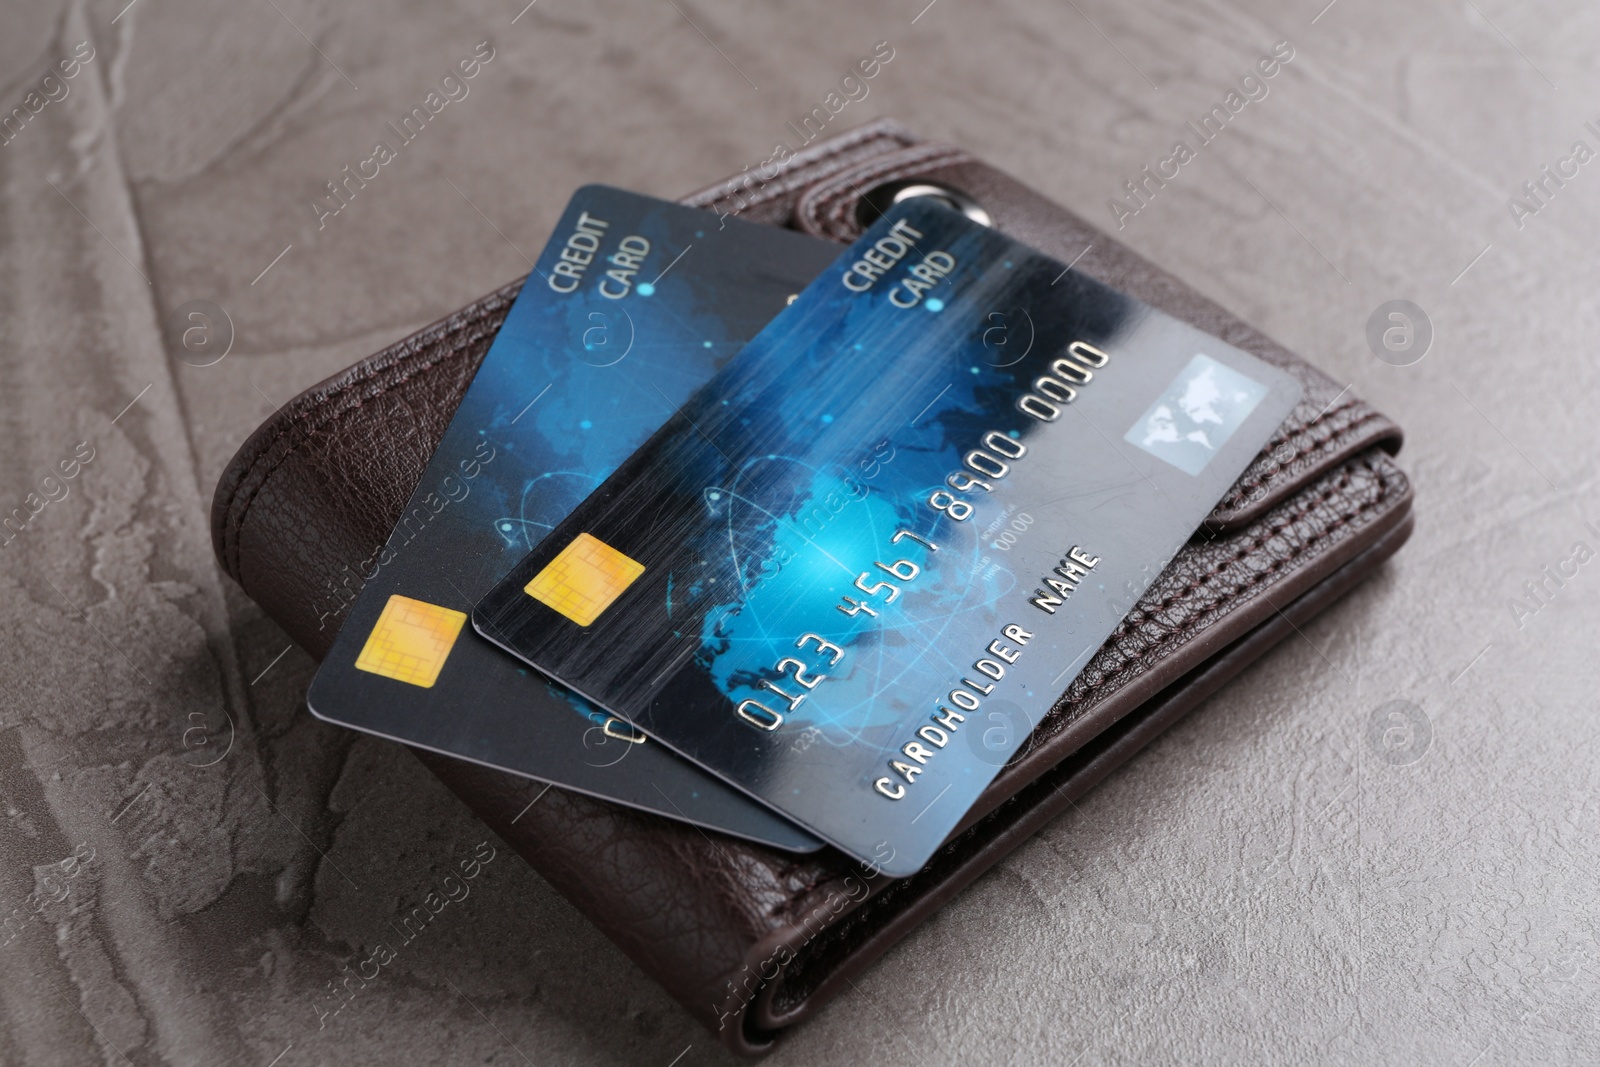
column 635, row 302
column 903, row 517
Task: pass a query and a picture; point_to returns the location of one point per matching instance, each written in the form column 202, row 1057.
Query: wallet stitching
column 796, row 179
column 1248, row 546
column 895, row 891
column 1306, row 447
column 1304, row 443
column 1285, row 432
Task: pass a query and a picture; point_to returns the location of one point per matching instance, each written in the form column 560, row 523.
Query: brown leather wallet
column 748, row 939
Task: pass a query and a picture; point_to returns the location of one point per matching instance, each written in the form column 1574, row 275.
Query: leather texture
column 748, row 939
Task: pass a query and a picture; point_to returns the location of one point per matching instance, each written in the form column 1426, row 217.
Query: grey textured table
column 1276, row 880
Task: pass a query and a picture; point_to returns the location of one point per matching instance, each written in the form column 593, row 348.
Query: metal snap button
column 881, row 198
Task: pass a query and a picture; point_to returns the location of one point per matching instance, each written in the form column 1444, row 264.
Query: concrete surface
column 1291, row 876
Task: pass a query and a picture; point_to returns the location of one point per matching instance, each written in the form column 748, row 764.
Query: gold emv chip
column 584, row 579
column 410, row 641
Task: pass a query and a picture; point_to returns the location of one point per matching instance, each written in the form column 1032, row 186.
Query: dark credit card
column 634, row 304
column 904, row 510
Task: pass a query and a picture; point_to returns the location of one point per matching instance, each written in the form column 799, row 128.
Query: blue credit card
column 908, row 507
column 634, row 304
